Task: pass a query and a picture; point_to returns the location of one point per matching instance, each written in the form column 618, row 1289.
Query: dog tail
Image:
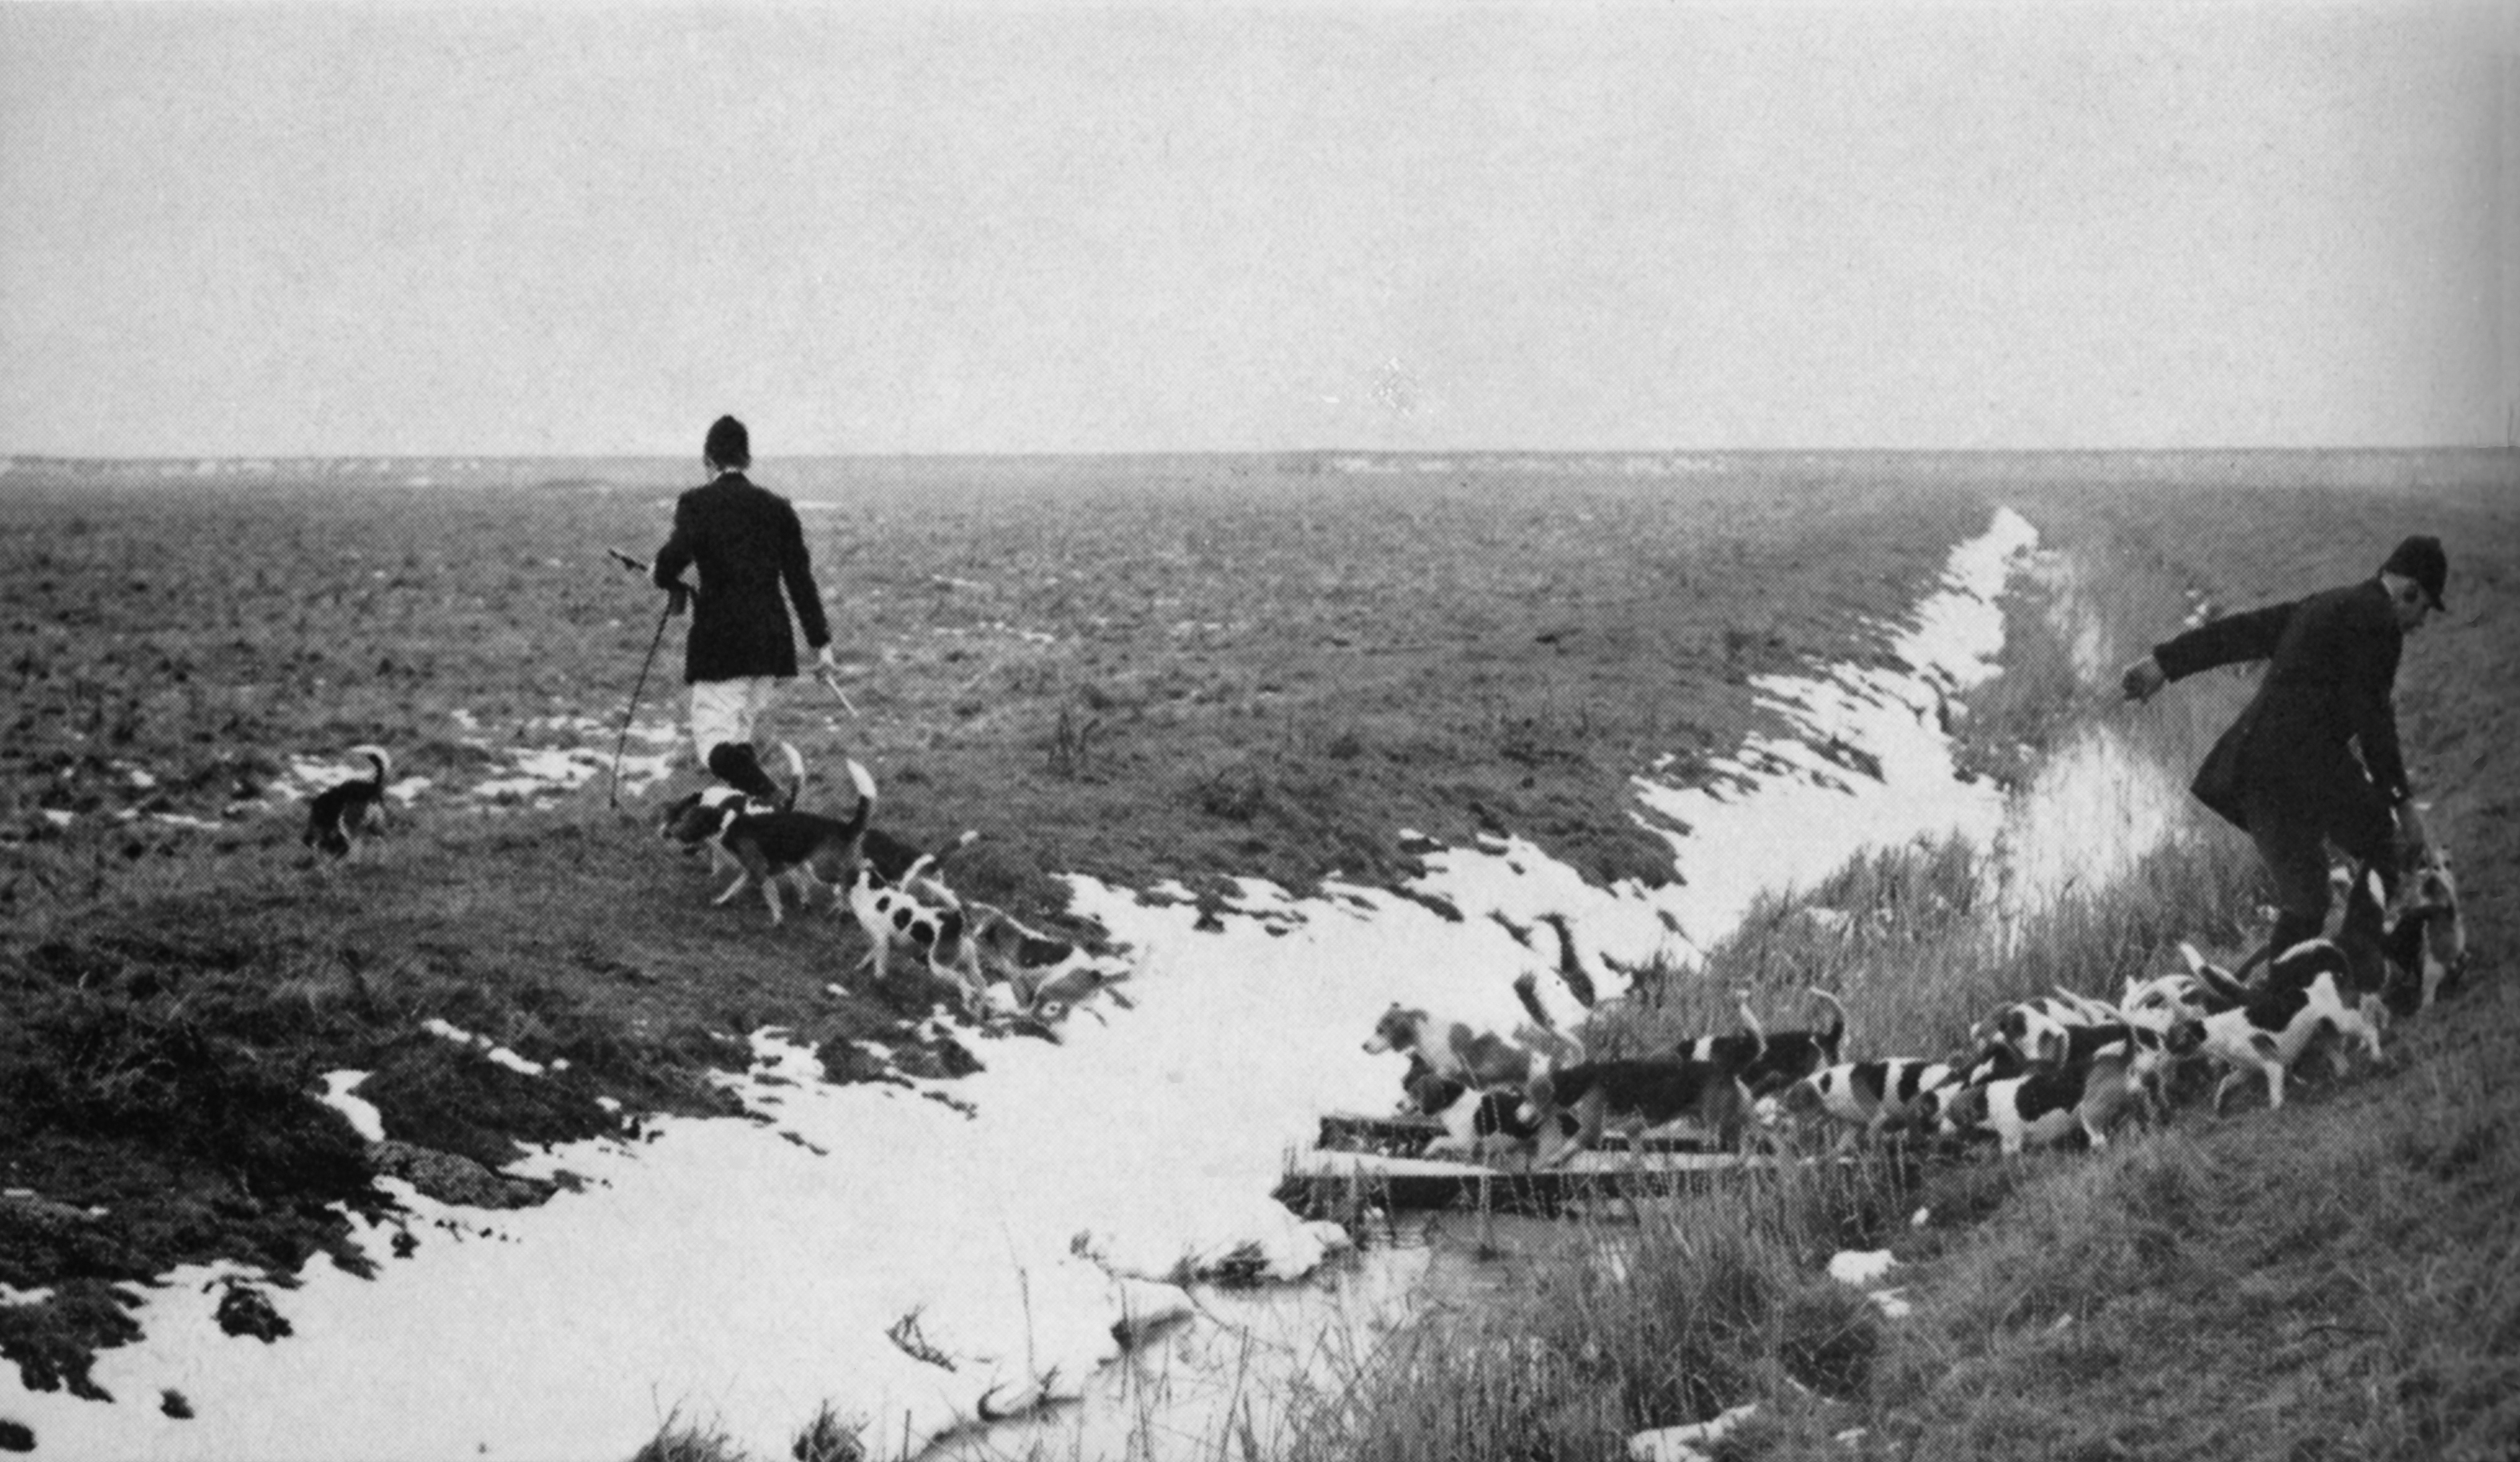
column 859, row 820
column 380, row 759
column 2225, row 984
column 795, row 774
column 1750, row 1023
column 865, row 781
column 1839, row 1033
column 1539, row 1093
column 2261, row 955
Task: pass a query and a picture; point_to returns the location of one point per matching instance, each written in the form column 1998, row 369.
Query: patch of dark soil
column 1443, row 907
column 54, row 1342
column 150, row 1078
column 452, row 1178
column 247, row 1310
column 436, row 1094
column 845, row 1062
column 935, row 1058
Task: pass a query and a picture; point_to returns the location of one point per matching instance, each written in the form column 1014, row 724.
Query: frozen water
column 915, row 1261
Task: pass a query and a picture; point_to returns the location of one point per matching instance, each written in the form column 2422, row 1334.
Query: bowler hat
column 2421, row 559
column 729, row 444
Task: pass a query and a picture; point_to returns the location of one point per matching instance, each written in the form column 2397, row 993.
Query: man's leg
column 722, row 733
column 2368, row 834
column 733, row 764
column 2294, row 849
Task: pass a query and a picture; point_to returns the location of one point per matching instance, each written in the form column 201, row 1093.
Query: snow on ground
column 911, row 1260
column 362, row 1114
column 520, row 776
column 1794, row 829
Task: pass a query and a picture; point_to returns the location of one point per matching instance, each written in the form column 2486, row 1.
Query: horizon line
column 11, row 459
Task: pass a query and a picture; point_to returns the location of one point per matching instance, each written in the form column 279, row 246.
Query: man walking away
column 746, row 542
column 2285, row 772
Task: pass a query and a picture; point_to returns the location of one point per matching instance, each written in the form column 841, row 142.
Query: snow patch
column 743, row 1274
column 362, row 1114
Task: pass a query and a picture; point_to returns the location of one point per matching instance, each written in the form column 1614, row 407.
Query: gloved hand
column 2413, row 843
column 678, row 600
column 2141, row 679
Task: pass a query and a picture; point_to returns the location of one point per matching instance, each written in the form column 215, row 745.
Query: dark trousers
column 2292, row 841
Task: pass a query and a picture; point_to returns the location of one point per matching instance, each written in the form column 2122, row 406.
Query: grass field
column 1264, row 667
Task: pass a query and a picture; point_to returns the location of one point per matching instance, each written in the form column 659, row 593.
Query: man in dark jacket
column 2285, row 772
column 746, row 542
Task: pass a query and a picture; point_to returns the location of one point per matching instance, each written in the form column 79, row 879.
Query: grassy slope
column 2333, row 1280
column 1281, row 673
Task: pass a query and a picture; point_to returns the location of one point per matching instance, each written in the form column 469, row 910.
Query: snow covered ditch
column 926, row 1257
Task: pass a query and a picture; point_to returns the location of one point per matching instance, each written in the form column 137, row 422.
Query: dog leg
column 2222, row 1088
column 2374, row 1015
column 734, row 888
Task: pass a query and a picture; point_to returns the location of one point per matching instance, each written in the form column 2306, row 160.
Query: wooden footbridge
column 1365, row 1161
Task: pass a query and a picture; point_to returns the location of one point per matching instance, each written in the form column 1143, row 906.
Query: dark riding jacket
column 2331, row 671
column 747, row 543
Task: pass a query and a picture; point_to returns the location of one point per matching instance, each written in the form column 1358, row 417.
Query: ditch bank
column 909, row 1260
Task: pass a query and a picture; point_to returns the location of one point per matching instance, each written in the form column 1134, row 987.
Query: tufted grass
column 2333, row 1280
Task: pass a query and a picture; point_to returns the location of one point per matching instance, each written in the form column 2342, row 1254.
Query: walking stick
column 612, row 797
column 831, row 684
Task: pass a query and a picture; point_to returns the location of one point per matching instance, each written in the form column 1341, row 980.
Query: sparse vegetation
column 2261, row 1286
column 1151, row 677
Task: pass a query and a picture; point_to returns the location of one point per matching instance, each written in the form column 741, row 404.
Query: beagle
column 770, row 845
column 339, row 815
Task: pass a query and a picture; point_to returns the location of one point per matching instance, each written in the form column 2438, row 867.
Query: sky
column 499, row 229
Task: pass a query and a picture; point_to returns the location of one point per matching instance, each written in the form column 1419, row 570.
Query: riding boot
column 733, row 764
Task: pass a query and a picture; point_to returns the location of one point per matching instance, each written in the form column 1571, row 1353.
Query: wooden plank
column 1324, row 1187
column 1407, row 1135
column 1359, row 1131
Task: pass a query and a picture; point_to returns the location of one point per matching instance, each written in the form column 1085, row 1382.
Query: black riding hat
column 2421, row 559
column 729, row 444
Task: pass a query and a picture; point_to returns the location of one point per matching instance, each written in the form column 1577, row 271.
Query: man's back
column 746, row 542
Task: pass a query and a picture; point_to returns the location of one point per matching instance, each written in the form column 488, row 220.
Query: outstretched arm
column 2228, row 641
